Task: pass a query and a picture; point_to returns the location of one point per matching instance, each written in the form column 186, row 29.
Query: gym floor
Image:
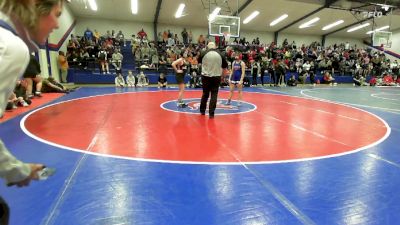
column 310, row 155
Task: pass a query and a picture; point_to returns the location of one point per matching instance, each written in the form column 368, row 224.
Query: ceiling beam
column 157, row 11
column 156, row 19
column 348, row 26
column 326, row 5
column 242, row 8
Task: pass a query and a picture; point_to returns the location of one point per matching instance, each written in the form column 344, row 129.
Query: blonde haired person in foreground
column 23, row 25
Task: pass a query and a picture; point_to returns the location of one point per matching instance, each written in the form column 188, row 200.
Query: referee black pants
column 210, row 85
column 4, row 212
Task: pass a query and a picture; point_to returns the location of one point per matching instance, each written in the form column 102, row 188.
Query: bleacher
column 93, row 75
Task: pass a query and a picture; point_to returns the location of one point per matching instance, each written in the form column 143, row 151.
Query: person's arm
column 15, row 171
column 243, row 72
column 175, row 63
column 224, row 62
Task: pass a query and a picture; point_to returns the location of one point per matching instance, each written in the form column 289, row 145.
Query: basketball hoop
column 227, row 36
column 389, row 44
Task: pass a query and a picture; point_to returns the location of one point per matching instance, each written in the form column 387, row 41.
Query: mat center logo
column 193, row 106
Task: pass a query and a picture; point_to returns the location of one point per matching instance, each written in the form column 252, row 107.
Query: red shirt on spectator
column 142, row 34
column 387, row 79
column 372, row 82
column 217, row 40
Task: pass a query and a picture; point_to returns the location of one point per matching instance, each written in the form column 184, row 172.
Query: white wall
column 329, row 41
column 265, row 37
column 196, row 31
column 299, row 39
column 396, row 42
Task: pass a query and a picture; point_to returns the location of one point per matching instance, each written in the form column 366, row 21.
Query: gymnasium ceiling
column 196, row 12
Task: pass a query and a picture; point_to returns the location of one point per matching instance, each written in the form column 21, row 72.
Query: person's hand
column 240, row 82
column 35, row 168
column 179, row 71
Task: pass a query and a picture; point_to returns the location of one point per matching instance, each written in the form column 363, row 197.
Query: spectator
column 119, row 80
column 373, row 81
column 88, row 34
column 327, row 78
column 50, row 85
column 20, row 93
column 359, row 80
column 292, row 81
column 303, row 77
column 185, row 37
column 121, row 38
column 63, row 66
column 31, row 76
column 142, row 79
column 254, row 70
column 280, row 69
column 142, row 34
column 117, row 58
column 102, row 56
column 130, row 79
column 162, row 68
column 162, row 81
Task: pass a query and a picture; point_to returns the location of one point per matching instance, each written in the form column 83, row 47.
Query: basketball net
column 227, row 35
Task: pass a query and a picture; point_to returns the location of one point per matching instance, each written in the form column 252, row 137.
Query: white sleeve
column 14, row 58
column 11, row 169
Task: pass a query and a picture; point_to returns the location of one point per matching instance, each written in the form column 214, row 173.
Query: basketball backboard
column 382, row 39
column 224, row 24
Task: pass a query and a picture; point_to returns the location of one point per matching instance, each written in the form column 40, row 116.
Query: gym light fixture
column 179, row 12
column 134, row 6
column 309, row 23
column 276, row 21
column 379, row 29
column 93, row 5
column 329, row 26
column 251, row 17
column 358, row 27
column 214, row 14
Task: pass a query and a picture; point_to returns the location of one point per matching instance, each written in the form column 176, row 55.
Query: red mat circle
column 133, row 125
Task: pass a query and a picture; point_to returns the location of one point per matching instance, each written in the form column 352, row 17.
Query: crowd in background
column 302, row 61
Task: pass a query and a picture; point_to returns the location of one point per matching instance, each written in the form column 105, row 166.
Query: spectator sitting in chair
column 119, row 80
column 130, row 79
column 117, row 58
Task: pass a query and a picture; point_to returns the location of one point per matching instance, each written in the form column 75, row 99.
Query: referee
column 212, row 64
